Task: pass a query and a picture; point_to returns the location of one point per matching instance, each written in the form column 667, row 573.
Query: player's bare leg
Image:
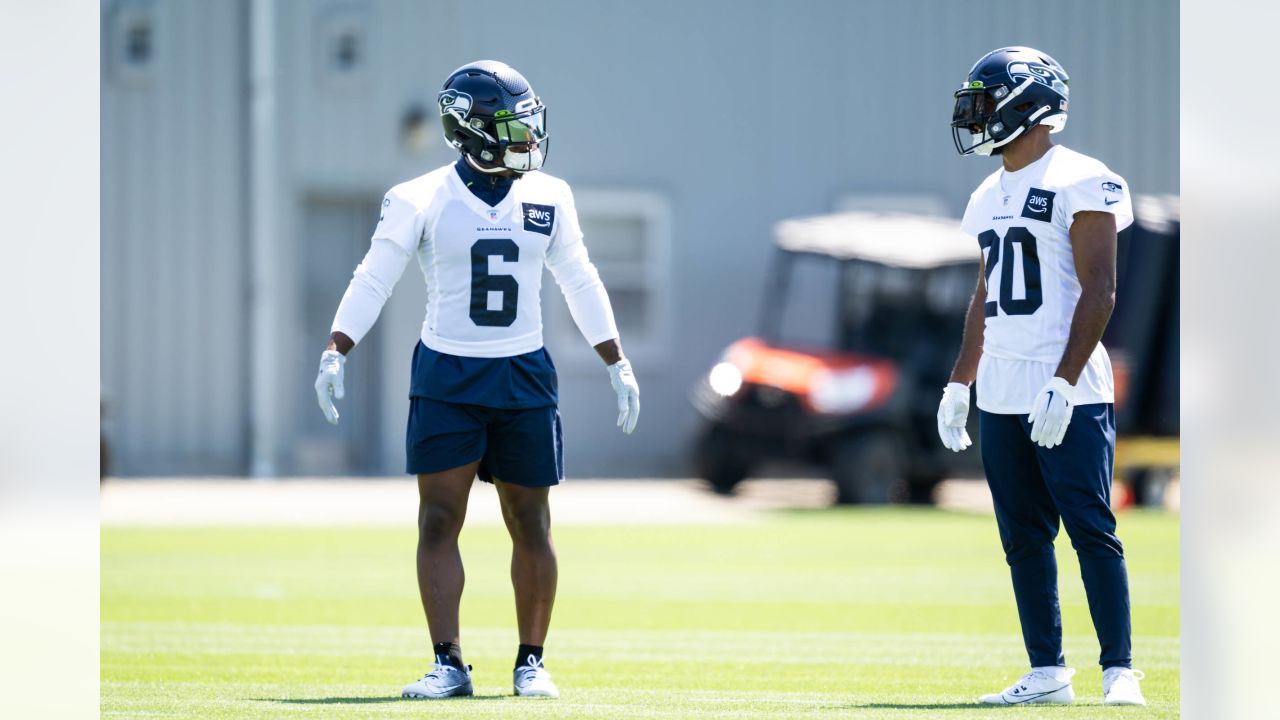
column 527, row 513
column 442, row 506
column 533, row 558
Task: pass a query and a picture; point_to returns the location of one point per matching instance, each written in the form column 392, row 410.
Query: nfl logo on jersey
column 538, row 218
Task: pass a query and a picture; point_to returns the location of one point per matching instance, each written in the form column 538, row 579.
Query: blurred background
column 246, row 145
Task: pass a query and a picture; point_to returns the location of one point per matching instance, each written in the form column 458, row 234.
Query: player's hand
column 1051, row 412
column 628, row 390
column 329, row 383
column 953, row 414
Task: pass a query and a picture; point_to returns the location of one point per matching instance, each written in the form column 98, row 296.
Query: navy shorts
column 518, row 446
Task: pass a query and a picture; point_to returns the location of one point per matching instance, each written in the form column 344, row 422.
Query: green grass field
column 862, row 613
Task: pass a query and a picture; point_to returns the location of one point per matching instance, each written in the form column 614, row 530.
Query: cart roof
column 899, row 239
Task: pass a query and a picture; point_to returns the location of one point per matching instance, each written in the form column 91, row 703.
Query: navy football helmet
column 490, row 112
column 1008, row 91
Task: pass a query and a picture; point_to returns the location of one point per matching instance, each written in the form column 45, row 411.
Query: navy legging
column 1033, row 488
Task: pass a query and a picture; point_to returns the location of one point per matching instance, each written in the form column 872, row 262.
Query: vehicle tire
column 868, row 469
column 721, row 460
column 920, row 489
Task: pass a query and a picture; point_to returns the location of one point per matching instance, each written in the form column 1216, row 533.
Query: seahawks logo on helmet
column 455, row 103
column 1019, row 70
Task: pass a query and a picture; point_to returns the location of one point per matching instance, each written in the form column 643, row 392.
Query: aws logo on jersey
column 538, row 218
column 1039, row 205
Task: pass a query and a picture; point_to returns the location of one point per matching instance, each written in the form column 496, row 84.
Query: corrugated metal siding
column 173, row 245
column 740, row 114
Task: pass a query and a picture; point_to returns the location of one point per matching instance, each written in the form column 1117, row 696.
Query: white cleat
column 534, row 680
column 1040, row 686
column 1120, row 687
column 443, row 681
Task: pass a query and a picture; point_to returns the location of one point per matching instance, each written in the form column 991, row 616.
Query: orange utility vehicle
column 862, row 321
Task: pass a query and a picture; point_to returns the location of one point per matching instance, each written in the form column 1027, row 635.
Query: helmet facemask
column 993, row 117
column 973, row 116
column 521, row 138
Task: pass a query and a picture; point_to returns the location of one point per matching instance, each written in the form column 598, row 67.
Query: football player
column 483, row 388
column 1046, row 224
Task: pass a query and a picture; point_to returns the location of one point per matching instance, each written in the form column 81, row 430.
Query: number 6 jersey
column 482, row 265
column 1022, row 221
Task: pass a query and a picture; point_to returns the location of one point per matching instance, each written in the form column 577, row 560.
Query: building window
column 137, row 48
column 343, row 45
column 628, row 236
column 131, row 40
column 346, row 51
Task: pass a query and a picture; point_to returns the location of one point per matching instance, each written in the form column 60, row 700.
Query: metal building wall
column 173, row 242
column 738, row 114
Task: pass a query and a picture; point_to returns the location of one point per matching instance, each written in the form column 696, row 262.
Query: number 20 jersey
column 483, row 264
column 1022, row 221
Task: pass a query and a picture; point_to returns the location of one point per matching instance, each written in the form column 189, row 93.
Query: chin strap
column 511, row 162
column 487, row 171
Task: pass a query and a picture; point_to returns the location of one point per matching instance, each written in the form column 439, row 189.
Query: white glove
column 624, row 383
column 953, row 413
column 1051, row 412
column 329, row 383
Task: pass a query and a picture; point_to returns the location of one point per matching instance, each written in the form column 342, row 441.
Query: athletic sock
column 449, row 653
column 528, row 655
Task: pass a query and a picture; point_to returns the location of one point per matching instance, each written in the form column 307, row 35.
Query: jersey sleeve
column 1103, row 191
column 394, row 242
column 578, row 278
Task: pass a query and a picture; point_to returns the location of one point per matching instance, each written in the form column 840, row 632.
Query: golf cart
column 861, row 322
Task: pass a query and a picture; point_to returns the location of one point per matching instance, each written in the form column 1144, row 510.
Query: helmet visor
column 530, row 128
column 974, row 108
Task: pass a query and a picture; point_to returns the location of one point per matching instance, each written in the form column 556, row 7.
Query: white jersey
column 1022, row 221
column 482, row 265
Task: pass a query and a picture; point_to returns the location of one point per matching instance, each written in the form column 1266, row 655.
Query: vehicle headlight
column 842, row 391
column 725, row 379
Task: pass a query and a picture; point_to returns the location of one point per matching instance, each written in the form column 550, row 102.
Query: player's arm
column 340, row 342
column 953, row 410
column 966, row 367
column 589, row 305
column 610, row 351
column 371, row 284
column 1093, row 247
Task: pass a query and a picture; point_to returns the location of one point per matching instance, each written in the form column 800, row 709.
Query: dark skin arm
column 1093, row 246
column 610, row 351
column 341, row 342
column 966, row 368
